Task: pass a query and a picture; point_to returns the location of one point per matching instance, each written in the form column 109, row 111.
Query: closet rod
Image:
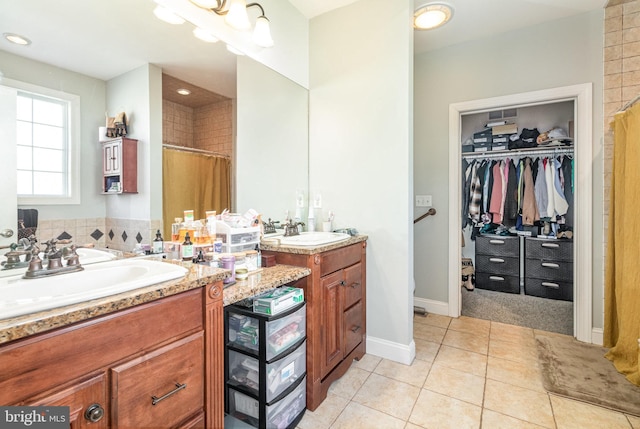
column 188, row 149
column 518, row 153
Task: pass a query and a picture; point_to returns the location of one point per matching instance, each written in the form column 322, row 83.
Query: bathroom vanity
column 150, row 357
column 335, row 292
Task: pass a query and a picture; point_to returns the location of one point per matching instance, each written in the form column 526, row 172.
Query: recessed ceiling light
column 17, row 39
column 432, row 15
column 183, row 91
column 166, row 15
column 204, row 35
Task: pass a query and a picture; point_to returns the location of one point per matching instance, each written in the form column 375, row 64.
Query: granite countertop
column 198, row 276
column 310, row 250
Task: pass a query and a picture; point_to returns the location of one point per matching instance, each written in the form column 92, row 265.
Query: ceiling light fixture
column 183, row 91
column 432, row 15
column 17, row 39
column 167, row 16
column 236, row 16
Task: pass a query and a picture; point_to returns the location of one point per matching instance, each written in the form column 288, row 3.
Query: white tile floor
column 468, row 373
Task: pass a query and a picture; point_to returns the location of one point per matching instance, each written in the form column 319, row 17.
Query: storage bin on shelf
column 237, row 239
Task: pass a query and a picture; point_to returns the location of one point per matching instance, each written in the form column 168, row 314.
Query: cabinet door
column 331, row 343
column 87, row 402
column 111, row 153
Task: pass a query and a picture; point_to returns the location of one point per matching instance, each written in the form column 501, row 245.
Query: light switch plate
column 423, row 201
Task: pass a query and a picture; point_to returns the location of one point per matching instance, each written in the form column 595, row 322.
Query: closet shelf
column 520, row 153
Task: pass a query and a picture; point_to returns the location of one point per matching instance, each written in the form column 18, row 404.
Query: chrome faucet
column 291, row 228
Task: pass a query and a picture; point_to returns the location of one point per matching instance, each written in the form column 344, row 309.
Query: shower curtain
column 193, row 181
column 622, row 270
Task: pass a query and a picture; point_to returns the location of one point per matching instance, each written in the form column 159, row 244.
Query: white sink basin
column 20, row 296
column 87, row 256
column 314, row 238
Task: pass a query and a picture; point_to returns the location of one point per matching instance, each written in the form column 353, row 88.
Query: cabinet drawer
column 337, row 259
column 549, row 270
column 498, row 265
column 353, row 285
column 497, row 245
column 165, row 386
column 500, row 283
column 554, row 250
column 549, row 289
column 353, row 328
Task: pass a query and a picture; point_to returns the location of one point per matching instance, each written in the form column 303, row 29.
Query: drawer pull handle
column 550, row 265
column 94, row 413
column 355, row 284
column 355, row 329
column 496, row 241
column 155, row 399
column 496, row 278
column 551, row 285
column 343, row 283
column 551, row 245
column 498, row 260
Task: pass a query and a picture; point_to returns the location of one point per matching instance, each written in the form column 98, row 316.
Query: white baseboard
column 393, row 351
column 431, row 306
column 597, row 336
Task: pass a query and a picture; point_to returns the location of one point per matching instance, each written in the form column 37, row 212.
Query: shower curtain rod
column 629, row 104
column 520, row 153
column 188, row 149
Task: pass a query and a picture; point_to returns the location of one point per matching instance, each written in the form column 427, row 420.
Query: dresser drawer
column 498, row 265
column 552, row 250
column 163, row 387
column 497, row 245
column 549, row 270
column 353, row 285
column 499, row 283
column 549, row 289
column 353, row 329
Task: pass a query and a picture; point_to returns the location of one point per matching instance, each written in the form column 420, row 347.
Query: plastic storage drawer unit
column 281, row 414
column 245, row 371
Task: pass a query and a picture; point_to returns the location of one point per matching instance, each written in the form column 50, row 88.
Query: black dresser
column 498, row 263
column 548, row 268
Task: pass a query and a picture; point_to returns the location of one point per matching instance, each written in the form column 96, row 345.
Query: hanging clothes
column 511, row 201
column 559, row 202
column 567, row 171
column 495, row 205
column 541, row 189
column 466, row 186
column 475, row 195
column 530, row 212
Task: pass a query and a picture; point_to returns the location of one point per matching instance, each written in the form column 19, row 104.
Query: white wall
column 92, row 101
column 138, row 94
column 361, row 151
column 560, row 53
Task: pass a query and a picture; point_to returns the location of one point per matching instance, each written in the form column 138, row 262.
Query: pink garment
column 495, row 205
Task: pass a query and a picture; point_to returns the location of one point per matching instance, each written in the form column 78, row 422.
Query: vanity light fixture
column 183, row 91
column 432, row 15
column 167, row 16
column 17, row 39
column 204, row 35
column 236, row 17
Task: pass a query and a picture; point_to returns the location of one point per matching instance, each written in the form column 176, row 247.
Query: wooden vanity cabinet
column 336, row 313
column 158, row 364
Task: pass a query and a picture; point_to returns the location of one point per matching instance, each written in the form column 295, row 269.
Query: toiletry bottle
column 175, row 229
column 158, row 243
column 187, row 249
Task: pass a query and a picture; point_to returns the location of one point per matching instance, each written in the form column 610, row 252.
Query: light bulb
column 262, row 33
column 237, row 16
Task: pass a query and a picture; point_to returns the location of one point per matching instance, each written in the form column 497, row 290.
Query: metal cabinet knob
column 94, row 413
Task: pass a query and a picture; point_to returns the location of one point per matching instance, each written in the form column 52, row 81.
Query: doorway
column 582, row 275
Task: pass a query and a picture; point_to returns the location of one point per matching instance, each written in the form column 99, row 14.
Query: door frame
column 581, row 94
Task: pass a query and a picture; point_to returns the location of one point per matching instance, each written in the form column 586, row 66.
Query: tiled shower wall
column 208, row 127
column 117, row 234
column 621, row 75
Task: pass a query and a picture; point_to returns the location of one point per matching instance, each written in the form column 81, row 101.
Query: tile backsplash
column 112, row 233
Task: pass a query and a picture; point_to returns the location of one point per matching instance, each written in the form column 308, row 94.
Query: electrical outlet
column 423, row 201
column 317, row 201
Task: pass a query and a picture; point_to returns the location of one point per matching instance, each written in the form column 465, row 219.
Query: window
column 43, row 146
column 47, row 145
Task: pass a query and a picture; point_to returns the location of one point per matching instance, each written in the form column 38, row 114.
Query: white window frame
column 73, row 147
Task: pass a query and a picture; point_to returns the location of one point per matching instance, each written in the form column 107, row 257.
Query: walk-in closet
column 518, row 214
